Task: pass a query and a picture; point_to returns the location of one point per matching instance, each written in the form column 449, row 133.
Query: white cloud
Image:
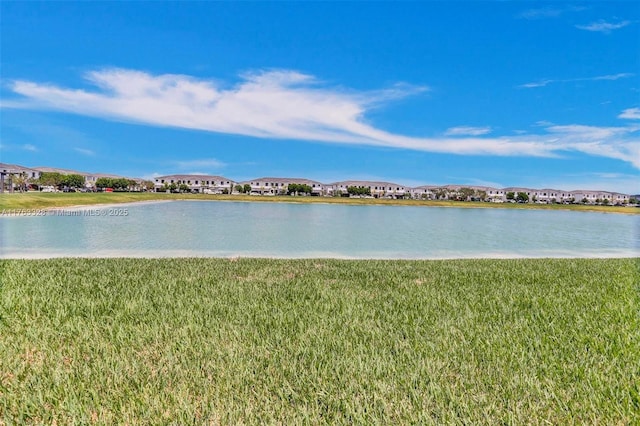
column 631, row 114
column 612, row 142
column 548, row 12
column 291, row 105
column 545, row 12
column 84, row 151
column 29, row 147
column 543, row 83
column 207, row 162
column 467, row 131
column 603, row 26
column 613, row 76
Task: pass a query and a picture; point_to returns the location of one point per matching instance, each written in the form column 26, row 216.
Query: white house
column 11, row 173
column 496, row 195
column 197, row 183
column 279, row 186
column 378, row 189
column 424, row 192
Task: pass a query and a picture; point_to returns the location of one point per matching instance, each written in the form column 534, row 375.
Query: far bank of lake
column 40, row 200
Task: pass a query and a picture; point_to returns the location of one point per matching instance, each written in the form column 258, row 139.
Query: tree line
column 76, row 181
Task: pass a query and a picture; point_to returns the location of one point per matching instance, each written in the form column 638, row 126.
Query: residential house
column 546, row 196
column 279, row 186
column 13, row 175
column 496, row 195
column 378, row 189
column 208, row 184
column 595, row 197
column 424, row 192
column 516, row 189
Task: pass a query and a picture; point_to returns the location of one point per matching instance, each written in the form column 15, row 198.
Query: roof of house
column 518, row 189
column 285, row 180
column 194, row 177
column 426, row 187
column 591, row 191
column 105, row 175
column 15, row 168
column 475, row 187
column 61, row 171
column 366, row 183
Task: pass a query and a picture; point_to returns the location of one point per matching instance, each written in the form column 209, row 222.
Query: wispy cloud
column 630, row 114
column 25, row 147
column 290, row 105
column 203, row 163
column 622, row 142
column 540, row 83
column 549, row 12
column 603, row 26
column 610, row 77
column 84, row 151
column 613, row 76
column 467, row 131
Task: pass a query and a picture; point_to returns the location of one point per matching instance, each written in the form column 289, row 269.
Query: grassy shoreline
column 58, row 200
column 259, row 341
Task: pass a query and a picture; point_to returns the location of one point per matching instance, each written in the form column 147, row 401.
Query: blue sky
column 536, row 94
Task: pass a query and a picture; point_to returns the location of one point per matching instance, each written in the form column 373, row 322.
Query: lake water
column 226, row 229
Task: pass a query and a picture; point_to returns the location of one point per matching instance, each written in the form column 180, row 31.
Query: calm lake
column 226, row 229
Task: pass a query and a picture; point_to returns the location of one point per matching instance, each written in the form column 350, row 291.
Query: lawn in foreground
column 319, row 341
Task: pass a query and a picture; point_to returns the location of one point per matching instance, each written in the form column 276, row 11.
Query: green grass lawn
column 40, row 200
column 254, row 341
